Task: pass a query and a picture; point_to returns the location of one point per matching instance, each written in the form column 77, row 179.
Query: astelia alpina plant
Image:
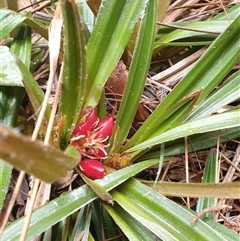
column 96, row 35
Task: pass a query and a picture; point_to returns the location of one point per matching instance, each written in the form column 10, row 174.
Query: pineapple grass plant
column 120, row 206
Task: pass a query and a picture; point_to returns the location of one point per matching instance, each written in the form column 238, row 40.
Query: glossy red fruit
column 92, row 168
column 101, row 153
column 81, row 129
column 92, row 118
column 105, row 127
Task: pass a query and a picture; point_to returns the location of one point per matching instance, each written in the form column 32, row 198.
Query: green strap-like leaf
column 216, row 24
column 205, row 75
column 225, row 94
column 100, row 216
column 164, row 120
column 5, row 176
column 82, row 224
column 22, row 44
column 211, row 26
column 137, row 73
column 13, row 72
column 74, row 72
column 11, row 97
column 37, row 26
column 197, row 142
column 9, row 20
column 61, row 207
column 114, row 25
column 210, row 175
column 224, row 49
column 212, row 123
column 131, row 227
column 10, row 73
column 166, row 219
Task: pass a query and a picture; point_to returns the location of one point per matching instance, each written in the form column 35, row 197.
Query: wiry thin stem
column 29, row 211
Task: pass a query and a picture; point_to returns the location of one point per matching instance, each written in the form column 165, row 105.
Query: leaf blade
column 160, row 215
column 204, row 75
column 9, row 20
column 114, row 25
column 34, row 157
column 137, row 73
column 212, row 123
column 74, row 72
column 67, row 204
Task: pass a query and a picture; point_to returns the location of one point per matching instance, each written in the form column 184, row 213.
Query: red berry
column 81, row 129
column 101, row 153
column 92, row 118
column 105, row 127
column 92, row 168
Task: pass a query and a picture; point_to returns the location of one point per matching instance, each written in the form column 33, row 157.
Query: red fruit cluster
column 90, row 137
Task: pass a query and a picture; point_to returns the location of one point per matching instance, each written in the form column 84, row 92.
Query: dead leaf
column 115, row 87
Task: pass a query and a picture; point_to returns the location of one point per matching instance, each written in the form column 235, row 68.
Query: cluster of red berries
column 89, row 138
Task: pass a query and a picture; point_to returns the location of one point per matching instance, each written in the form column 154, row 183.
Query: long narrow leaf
column 22, row 45
column 204, row 75
column 82, row 223
column 165, row 218
column 209, row 176
column 11, row 98
column 197, row 142
column 5, row 175
column 164, row 120
column 17, row 74
column 9, row 20
column 197, row 27
column 59, row 208
column 212, row 123
column 114, row 25
column 232, row 13
column 225, row 94
column 175, row 120
column 137, row 73
column 74, row 73
column 10, row 74
column 37, row 26
column 225, row 48
column 133, row 229
column 34, row 157
column 196, row 190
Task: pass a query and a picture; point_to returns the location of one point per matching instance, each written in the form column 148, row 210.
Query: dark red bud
column 105, row 127
column 92, row 118
column 92, row 168
column 81, row 129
